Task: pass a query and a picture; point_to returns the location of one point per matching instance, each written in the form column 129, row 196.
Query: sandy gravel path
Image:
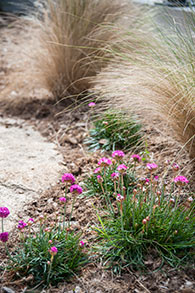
column 28, row 165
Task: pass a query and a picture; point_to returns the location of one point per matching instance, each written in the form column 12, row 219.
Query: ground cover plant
column 114, row 129
column 48, row 251
column 149, row 220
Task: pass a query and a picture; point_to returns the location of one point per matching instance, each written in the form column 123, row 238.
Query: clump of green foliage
column 147, row 222
column 48, row 251
column 114, row 130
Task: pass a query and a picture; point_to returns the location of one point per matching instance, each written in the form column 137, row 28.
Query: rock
column 103, row 141
column 188, row 284
column 7, row 290
column 77, row 289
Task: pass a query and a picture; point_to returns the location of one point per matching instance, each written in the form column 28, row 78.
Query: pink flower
column 62, row 200
column 68, row 177
column 91, row 105
column 136, row 158
column 156, row 178
column 53, row 250
column 50, row 241
column 119, row 197
column 118, row 154
column 76, row 189
column 152, row 167
column 115, row 176
column 97, row 170
column 4, row 212
column 99, row 179
column 144, row 221
column 104, row 162
column 122, row 168
column 181, row 180
column 21, row 225
column 82, row 243
column 175, row 167
column 30, row 221
column 144, row 180
column 4, row 236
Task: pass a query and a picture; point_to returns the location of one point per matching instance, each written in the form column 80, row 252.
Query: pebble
column 7, row 290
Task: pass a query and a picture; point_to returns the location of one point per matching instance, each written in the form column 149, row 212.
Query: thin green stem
column 73, row 202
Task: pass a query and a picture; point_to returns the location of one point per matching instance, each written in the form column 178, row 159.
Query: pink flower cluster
column 115, row 176
column 53, row 250
column 122, row 168
column 76, row 189
column 4, row 212
column 68, row 177
column 152, row 167
column 104, row 162
column 4, row 236
column 118, row 154
column 91, row 105
column 97, row 170
column 119, row 197
column 22, row 225
column 181, row 180
column 62, row 200
column 136, row 158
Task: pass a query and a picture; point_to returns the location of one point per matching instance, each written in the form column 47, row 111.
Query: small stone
column 103, row 141
column 188, row 284
column 7, row 290
column 77, row 289
column 50, row 200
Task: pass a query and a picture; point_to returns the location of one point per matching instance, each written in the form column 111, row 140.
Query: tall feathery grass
column 73, row 34
column 157, row 81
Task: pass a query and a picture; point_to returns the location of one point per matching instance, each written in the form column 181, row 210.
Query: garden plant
column 48, row 250
column 151, row 220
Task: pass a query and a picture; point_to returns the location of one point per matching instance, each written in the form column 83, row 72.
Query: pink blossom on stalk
column 97, row 170
column 21, row 225
column 175, row 167
column 118, row 154
column 104, row 162
column 68, row 177
column 152, row 167
column 144, row 180
column 115, row 176
column 156, row 178
column 4, row 212
column 181, row 180
column 144, row 221
column 119, row 197
column 136, row 158
column 53, row 250
column 76, row 189
column 91, row 105
column 30, row 221
column 99, row 179
column 4, row 236
column 82, row 243
column 122, row 168
column 62, row 200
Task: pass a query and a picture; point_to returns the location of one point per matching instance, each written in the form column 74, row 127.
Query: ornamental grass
column 157, row 81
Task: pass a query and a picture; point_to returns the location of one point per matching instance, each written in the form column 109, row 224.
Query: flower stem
column 73, row 202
